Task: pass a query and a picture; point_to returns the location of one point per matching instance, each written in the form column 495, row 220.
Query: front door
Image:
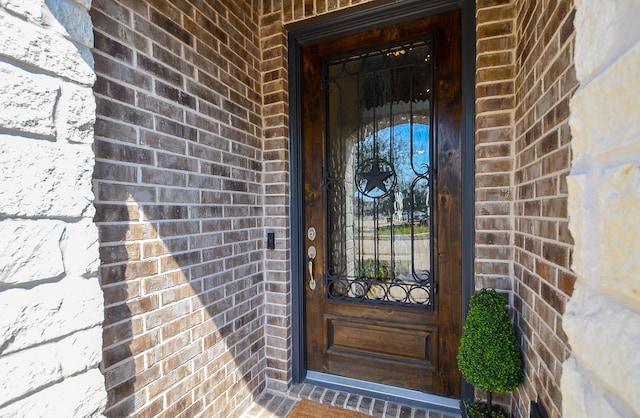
column 382, row 205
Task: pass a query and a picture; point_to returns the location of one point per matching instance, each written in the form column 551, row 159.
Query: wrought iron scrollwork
column 380, row 292
column 377, row 178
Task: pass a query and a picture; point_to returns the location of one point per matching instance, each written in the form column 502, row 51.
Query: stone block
column 576, row 389
column 76, row 114
column 578, row 207
column 70, row 20
column 42, row 49
column 29, row 9
column 584, row 396
column 42, row 178
column 28, row 370
column 35, row 368
column 30, row 250
column 78, row 396
column 48, row 311
column 80, row 252
column 80, row 351
column 592, row 317
column 605, row 125
column 41, row 105
column 607, row 29
column 618, row 263
column 28, row 101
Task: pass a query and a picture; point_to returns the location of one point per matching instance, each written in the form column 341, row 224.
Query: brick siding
column 543, row 282
column 276, row 205
column 524, row 81
column 193, row 169
column 495, row 99
column 180, row 199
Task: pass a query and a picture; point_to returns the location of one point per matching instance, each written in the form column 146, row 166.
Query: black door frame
column 346, row 22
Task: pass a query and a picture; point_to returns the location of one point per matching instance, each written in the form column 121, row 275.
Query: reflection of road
column 401, row 246
column 401, row 250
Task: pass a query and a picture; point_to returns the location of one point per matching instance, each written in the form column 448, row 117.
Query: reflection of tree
column 397, row 149
column 393, row 228
column 421, row 195
column 411, row 165
column 398, row 205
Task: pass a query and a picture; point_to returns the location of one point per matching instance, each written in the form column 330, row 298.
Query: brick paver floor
column 279, row 405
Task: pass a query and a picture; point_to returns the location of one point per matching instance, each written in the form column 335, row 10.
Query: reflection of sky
column 402, row 155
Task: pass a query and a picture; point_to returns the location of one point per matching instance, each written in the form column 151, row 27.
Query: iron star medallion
column 375, row 178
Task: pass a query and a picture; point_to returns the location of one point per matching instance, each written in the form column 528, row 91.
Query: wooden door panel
column 381, row 370
column 390, row 340
column 409, row 346
column 375, row 314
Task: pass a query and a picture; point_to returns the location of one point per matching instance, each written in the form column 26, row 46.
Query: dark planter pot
column 463, row 409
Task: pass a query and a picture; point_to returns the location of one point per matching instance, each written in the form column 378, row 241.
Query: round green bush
column 489, row 357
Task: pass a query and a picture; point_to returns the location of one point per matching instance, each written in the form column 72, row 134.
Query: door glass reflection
column 378, row 176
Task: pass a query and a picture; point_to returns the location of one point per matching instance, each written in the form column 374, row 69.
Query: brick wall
column 543, row 282
column 179, row 199
column 276, row 201
column 294, row 10
column 275, row 15
column 495, row 96
column 522, row 242
column 495, row 101
column 524, row 79
column 192, row 171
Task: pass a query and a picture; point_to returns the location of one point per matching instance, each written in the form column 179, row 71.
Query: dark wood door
column 382, row 205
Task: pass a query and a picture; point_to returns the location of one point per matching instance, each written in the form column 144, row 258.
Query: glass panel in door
column 380, row 143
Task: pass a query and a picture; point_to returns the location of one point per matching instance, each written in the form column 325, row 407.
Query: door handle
column 311, row 253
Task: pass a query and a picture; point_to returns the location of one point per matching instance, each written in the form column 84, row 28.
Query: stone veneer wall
column 189, row 178
column 180, row 205
column 601, row 378
column 50, row 298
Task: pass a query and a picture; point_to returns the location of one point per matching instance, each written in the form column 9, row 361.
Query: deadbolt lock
column 311, row 233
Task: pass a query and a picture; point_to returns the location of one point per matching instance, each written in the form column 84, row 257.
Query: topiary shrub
column 489, row 357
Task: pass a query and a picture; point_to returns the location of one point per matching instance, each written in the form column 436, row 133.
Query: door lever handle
column 311, row 253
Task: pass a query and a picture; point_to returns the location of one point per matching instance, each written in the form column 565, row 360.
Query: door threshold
column 393, row 394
